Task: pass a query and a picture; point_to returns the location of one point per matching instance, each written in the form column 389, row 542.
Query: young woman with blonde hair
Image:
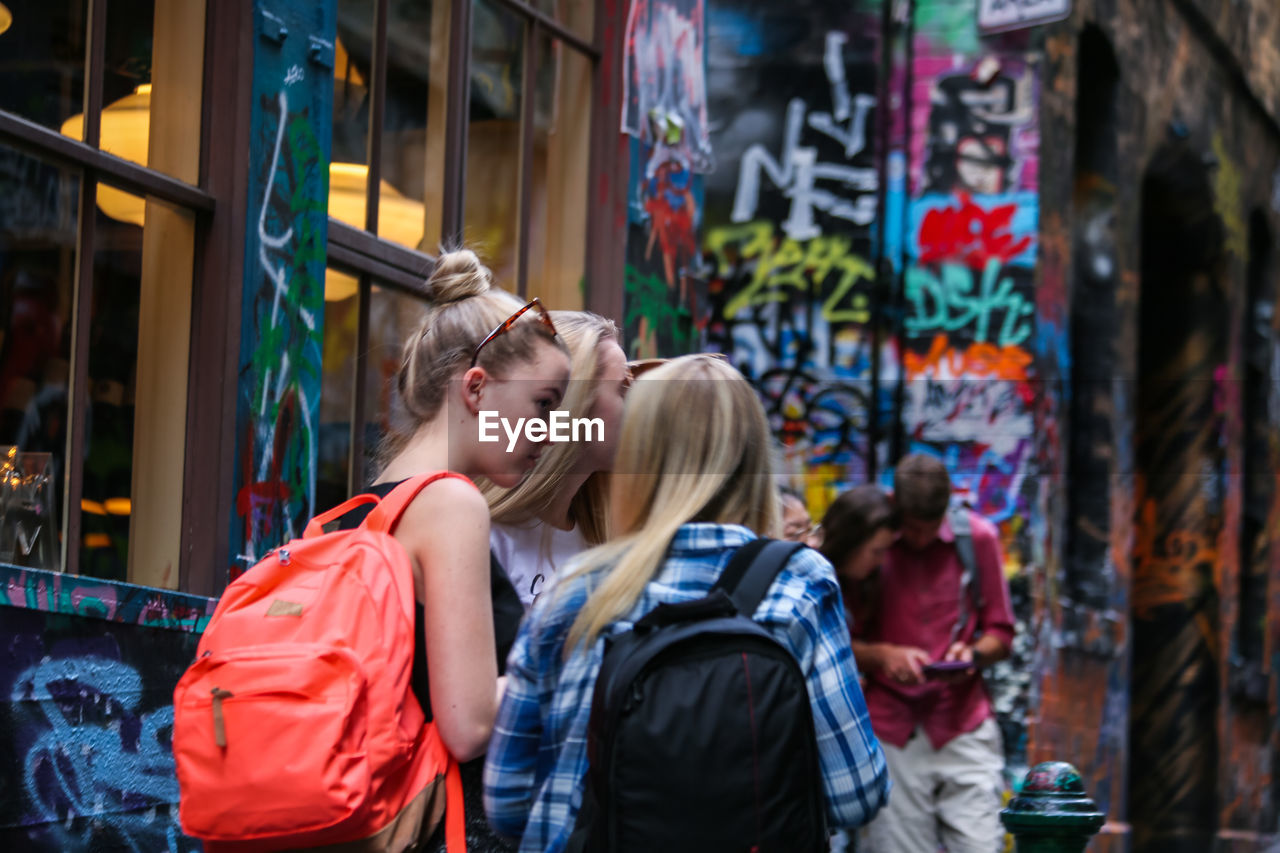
column 692, row 480
column 561, row 508
column 477, row 349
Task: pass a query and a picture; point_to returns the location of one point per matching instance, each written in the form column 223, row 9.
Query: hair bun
column 458, row 275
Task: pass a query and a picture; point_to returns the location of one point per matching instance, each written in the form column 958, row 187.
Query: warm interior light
column 92, row 507
column 118, row 506
column 126, row 126
column 6, row 18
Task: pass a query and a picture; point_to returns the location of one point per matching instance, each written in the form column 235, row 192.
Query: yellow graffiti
column 792, row 264
column 1227, row 203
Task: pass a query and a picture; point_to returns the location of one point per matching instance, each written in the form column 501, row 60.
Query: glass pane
column 348, row 171
column 341, row 316
column 38, row 233
column 151, row 85
column 561, row 157
column 577, row 16
column 409, row 200
column 493, row 138
column 113, row 360
column 393, row 316
column 42, row 60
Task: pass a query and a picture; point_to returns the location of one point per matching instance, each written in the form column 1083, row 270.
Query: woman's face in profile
column 869, row 557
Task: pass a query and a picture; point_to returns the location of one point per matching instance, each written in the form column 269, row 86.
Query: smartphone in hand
column 945, row 667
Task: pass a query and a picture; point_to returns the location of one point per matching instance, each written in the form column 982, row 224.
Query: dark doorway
column 1178, row 485
column 1089, row 571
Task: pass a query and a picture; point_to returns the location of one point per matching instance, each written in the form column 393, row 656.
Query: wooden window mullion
column 458, row 105
column 356, row 476
column 78, row 390
column 373, row 155
column 528, row 107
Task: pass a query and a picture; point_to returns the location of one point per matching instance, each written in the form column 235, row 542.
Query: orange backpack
column 297, row 725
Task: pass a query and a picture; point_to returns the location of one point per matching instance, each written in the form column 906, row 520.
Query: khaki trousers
column 949, row 796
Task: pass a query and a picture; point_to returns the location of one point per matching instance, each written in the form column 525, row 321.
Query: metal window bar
column 63, row 150
column 458, row 104
column 83, row 311
column 355, row 461
column 528, row 104
column 552, row 26
column 378, row 91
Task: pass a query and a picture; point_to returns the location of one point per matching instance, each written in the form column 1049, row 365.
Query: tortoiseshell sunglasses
column 506, row 324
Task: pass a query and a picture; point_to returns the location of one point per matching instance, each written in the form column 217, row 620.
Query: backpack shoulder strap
column 387, row 513
column 970, row 582
column 752, row 570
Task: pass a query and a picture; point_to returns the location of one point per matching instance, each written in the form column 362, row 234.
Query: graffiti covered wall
column 877, row 326
column 788, row 231
column 86, row 712
column 282, row 324
column 665, row 113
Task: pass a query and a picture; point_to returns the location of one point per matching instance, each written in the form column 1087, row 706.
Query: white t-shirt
column 532, row 554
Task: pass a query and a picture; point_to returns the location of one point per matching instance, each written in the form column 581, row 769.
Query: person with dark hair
column 942, row 613
column 858, row 529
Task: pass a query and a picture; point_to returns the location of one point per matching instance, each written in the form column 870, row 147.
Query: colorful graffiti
column 791, row 285
column 280, row 353
column 665, row 110
column 54, row 592
column 86, row 714
column 848, row 191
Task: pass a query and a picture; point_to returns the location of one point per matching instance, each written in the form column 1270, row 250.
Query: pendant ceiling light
column 6, row 17
column 125, row 132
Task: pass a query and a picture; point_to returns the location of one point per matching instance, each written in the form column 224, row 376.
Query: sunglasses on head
column 506, row 324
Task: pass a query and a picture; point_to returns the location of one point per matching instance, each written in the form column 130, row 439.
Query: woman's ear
column 473, row 386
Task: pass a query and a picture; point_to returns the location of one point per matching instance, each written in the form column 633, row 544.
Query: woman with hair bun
column 477, row 349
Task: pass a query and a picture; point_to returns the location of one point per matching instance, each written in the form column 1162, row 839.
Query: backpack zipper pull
column 284, row 556
column 219, row 723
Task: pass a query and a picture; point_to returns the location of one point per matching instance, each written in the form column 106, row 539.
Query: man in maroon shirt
column 939, row 735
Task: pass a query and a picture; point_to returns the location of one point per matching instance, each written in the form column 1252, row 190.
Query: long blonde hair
column 690, row 450
column 465, row 307
column 583, row 332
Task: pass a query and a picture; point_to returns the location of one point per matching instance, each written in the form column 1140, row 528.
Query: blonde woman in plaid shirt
column 692, row 481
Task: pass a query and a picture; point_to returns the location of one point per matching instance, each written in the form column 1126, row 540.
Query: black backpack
column 701, row 735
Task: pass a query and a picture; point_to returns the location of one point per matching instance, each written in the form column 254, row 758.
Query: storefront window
column 38, row 244
column 562, row 149
column 493, row 138
column 115, row 436
column 109, row 416
column 42, row 60
column 412, row 156
column 393, row 316
column 577, row 16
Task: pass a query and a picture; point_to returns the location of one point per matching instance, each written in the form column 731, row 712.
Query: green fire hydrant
column 1052, row 813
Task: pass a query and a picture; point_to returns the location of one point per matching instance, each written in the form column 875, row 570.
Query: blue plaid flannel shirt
column 538, row 754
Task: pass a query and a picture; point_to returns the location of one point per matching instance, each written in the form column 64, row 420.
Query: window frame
column 94, row 166
column 361, row 252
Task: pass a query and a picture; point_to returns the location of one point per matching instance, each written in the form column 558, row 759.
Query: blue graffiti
column 98, row 758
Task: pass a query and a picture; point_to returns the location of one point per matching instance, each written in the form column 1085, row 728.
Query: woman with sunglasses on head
column 477, row 349
column 562, row 508
column 692, row 483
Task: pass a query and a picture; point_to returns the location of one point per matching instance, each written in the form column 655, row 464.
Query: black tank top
column 507, row 609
